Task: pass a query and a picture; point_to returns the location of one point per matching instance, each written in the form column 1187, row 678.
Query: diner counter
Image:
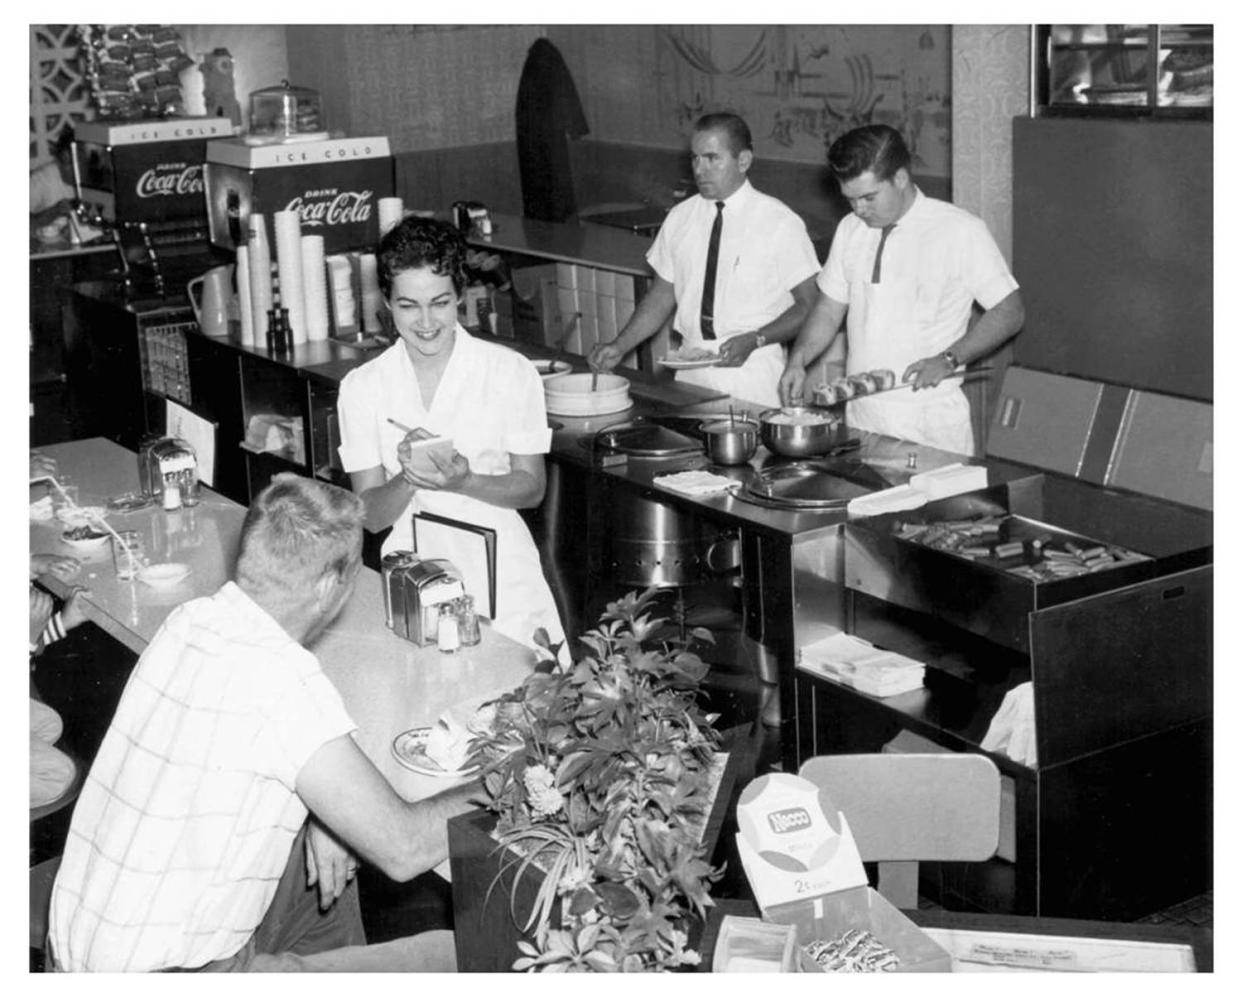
column 388, row 684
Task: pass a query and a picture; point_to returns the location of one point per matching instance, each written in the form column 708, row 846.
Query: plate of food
column 690, row 358
column 410, row 749
column 85, row 539
column 81, row 515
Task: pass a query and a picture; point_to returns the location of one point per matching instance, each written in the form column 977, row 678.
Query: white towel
column 697, row 482
column 1012, row 730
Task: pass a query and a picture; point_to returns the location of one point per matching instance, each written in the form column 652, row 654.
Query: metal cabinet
column 1119, row 663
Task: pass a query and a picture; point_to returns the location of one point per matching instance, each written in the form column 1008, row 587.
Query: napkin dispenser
column 414, row 590
column 162, row 457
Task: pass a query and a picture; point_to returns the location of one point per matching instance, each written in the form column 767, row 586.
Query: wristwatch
column 759, row 340
column 951, row 358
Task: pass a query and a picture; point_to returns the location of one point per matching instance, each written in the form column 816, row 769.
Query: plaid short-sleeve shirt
column 185, row 823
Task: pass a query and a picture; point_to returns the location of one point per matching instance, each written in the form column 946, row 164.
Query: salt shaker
column 172, row 491
column 447, row 638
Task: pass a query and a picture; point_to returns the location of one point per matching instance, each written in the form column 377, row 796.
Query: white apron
column 883, row 335
column 523, row 599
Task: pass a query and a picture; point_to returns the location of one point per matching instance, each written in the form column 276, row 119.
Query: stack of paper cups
column 314, row 288
column 243, row 295
column 260, row 277
column 289, row 268
column 342, row 290
column 369, row 278
column 391, row 211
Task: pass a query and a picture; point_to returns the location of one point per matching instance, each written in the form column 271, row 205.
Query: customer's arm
column 349, row 795
column 652, row 312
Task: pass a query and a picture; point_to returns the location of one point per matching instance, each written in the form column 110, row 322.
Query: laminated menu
column 862, row 666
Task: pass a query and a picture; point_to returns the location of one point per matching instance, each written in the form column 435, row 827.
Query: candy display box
column 804, row 869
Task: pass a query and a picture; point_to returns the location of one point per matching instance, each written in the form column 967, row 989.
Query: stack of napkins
column 952, row 479
column 697, row 482
column 862, row 666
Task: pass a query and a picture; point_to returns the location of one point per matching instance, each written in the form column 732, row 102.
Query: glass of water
column 128, row 554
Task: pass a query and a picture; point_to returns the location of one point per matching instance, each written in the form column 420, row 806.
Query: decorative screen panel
column 59, row 92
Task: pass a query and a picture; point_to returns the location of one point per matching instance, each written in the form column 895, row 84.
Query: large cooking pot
column 798, row 430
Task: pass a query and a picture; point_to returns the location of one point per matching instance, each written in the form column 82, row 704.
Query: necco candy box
column 793, row 843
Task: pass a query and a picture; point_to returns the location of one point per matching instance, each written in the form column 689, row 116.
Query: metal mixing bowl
column 730, row 441
column 798, row 439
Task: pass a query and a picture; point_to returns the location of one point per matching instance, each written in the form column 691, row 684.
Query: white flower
column 545, row 799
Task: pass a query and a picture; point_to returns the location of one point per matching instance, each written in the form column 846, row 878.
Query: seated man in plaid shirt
column 190, row 847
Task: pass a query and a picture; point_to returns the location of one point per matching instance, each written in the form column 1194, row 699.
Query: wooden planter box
column 487, row 922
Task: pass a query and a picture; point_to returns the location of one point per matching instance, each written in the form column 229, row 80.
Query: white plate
column 674, row 364
column 163, row 575
column 410, row 749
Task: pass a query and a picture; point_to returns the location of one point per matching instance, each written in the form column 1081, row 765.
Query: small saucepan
column 798, row 430
column 730, row 440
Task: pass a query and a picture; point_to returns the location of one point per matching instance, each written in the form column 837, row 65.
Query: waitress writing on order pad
column 438, row 380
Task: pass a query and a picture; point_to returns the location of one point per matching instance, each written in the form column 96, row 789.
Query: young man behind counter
column 228, row 782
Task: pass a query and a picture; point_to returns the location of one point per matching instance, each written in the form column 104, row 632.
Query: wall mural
column 800, row 86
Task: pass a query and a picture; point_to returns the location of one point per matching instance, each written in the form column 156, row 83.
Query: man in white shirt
column 190, row 846
column 904, row 271
column 735, row 265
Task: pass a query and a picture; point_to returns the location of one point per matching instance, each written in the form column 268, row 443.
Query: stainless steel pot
column 798, row 430
column 730, row 441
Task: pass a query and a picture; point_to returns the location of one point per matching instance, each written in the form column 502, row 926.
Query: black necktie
column 879, row 251
column 708, row 308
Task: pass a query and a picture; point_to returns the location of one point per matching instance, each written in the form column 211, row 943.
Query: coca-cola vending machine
column 144, row 179
column 335, row 185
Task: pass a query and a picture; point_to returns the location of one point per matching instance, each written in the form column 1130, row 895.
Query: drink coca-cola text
column 332, row 207
column 166, row 181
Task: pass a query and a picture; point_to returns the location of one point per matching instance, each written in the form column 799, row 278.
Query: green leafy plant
column 602, row 773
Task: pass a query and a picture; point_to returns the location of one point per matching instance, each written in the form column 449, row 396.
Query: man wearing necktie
column 734, row 267
column 904, row 271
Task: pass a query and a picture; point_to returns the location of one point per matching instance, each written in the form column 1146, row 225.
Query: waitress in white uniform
column 904, row 271
column 438, row 380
